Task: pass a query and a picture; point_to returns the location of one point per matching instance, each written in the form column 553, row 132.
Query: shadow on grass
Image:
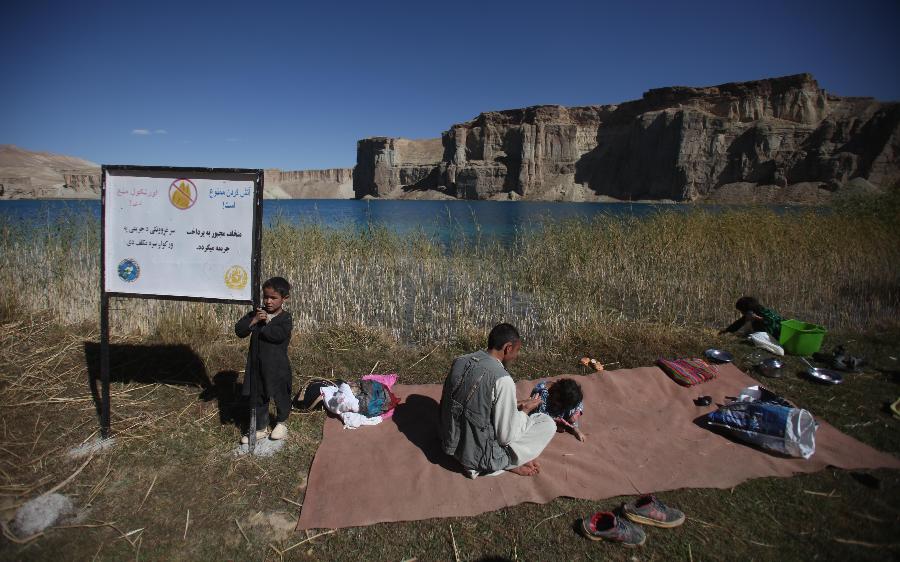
column 417, row 418
column 145, row 364
column 226, row 391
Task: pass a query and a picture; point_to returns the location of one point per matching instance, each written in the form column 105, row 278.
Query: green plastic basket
column 801, row 338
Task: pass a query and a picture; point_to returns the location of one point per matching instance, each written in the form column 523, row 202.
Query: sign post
column 179, row 234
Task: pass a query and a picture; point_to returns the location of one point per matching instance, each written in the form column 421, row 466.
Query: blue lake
column 444, row 219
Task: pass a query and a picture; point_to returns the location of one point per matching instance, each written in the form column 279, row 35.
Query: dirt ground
column 170, row 488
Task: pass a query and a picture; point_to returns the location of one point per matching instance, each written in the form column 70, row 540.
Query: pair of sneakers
column 646, row 510
column 280, row 432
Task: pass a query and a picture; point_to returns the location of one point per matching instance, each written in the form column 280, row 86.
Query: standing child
column 272, row 372
column 562, row 401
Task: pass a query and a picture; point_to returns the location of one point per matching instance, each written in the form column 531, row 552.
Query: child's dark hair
column 565, row 394
column 501, row 335
column 748, row 304
column 278, row 284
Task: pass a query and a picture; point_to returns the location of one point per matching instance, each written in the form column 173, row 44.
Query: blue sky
column 294, row 85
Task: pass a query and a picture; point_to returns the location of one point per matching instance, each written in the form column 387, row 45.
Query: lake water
column 444, row 219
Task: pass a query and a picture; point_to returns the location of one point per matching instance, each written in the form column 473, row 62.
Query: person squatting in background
column 760, row 318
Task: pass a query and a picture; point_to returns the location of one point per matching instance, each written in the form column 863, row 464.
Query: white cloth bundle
column 341, row 401
column 767, row 342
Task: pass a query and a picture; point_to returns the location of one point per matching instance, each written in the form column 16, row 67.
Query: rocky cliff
column 385, row 165
column 785, row 136
column 332, row 183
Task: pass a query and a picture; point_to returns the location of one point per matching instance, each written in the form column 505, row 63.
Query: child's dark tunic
column 273, row 371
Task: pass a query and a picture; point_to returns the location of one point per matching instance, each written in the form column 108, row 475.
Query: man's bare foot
column 530, row 468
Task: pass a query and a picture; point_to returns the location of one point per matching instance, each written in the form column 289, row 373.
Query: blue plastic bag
column 767, row 420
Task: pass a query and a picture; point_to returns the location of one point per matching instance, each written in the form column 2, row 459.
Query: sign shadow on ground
column 146, row 364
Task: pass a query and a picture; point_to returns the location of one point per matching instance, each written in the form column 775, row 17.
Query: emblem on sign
column 236, row 277
column 183, row 194
column 128, row 270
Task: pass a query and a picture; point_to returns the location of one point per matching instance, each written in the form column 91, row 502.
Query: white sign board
column 179, row 233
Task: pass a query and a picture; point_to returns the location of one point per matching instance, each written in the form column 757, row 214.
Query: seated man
column 482, row 425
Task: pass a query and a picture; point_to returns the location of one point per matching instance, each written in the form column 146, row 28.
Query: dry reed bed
column 47, row 407
column 42, row 373
column 673, row 268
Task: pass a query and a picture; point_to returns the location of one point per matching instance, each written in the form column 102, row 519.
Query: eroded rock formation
column 385, row 165
column 678, row 143
column 332, row 183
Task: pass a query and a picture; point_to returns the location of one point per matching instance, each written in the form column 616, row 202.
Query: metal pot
column 719, row 355
column 770, row 367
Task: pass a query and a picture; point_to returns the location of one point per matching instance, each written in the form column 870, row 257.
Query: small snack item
column 592, row 364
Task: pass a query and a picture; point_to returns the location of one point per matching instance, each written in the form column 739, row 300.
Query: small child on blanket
column 562, row 401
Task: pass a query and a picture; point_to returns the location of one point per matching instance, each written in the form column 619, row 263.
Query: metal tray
column 718, row 355
column 825, row 376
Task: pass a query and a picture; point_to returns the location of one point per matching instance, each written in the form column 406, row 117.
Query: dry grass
column 835, row 268
column 174, row 443
column 619, row 289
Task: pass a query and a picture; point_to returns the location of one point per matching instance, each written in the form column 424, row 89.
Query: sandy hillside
column 25, row 174
column 15, row 157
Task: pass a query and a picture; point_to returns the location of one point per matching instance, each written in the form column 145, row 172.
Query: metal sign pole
column 104, row 317
column 254, row 363
column 104, row 366
column 254, row 335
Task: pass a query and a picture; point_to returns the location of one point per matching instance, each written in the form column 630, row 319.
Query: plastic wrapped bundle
column 767, row 420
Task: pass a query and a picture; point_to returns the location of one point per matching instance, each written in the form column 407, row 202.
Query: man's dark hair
column 501, row 335
column 748, row 304
column 278, row 284
column 566, row 394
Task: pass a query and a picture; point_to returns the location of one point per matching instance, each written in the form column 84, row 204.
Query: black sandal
column 310, row 398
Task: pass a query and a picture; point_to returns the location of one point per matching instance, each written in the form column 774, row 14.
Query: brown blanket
column 641, row 438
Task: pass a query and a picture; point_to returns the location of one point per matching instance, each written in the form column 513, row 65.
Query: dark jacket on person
column 467, row 428
column 273, row 367
column 760, row 320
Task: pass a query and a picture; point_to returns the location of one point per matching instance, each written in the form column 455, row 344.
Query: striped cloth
column 687, row 372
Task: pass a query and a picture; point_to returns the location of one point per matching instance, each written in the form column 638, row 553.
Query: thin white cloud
column 232, row 139
column 161, row 132
column 140, row 132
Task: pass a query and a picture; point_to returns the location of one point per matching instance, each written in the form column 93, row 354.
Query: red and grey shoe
column 605, row 526
column 647, row 510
